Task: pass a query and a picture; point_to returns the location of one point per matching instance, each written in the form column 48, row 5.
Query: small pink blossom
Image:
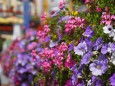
column 33, row 53
column 46, row 66
column 63, row 46
column 68, row 83
column 98, row 9
column 46, row 28
column 43, row 16
column 31, row 45
column 69, row 62
column 87, row 1
column 62, row 4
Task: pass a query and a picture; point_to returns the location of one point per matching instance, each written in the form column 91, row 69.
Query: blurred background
column 18, row 15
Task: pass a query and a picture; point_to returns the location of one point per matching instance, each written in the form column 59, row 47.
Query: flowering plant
column 72, row 49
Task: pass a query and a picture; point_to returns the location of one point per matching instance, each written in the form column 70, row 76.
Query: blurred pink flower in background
column 87, row 1
column 62, row 4
column 43, row 16
column 98, row 9
column 31, row 45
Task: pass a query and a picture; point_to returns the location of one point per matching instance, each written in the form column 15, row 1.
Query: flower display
column 72, row 49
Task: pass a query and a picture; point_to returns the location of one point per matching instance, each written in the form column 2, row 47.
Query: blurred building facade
column 12, row 14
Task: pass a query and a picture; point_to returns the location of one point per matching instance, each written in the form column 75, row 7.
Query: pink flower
column 62, row 4
column 68, row 83
column 107, row 19
column 63, row 46
column 46, row 66
column 33, row 53
column 87, row 1
column 43, row 16
column 99, row 9
column 113, row 17
column 69, row 62
column 31, row 45
column 46, row 28
column 74, row 22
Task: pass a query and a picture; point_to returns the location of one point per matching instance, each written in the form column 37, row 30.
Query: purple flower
column 98, row 82
column 21, row 59
column 80, row 49
column 112, row 80
column 71, row 46
column 89, row 44
column 86, row 58
column 47, row 39
column 111, row 47
column 77, row 74
column 104, row 49
column 98, row 67
column 82, row 8
column 98, row 44
column 52, row 44
column 103, row 59
column 21, row 70
column 55, row 13
column 59, row 37
column 25, row 84
column 80, row 82
column 88, row 32
column 64, row 18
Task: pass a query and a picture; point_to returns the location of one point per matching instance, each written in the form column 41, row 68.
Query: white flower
column 114, row 38
column 113, row 58
column 107, row 29
column 112, row 33
column 52, row 44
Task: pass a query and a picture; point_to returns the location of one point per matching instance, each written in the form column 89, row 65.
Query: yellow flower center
column 98, row 67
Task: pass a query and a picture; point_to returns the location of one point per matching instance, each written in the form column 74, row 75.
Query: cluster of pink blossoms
column 53, row 57
column 107, row 19
column 74, row 22
column 69, row 62
column 43, row 34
